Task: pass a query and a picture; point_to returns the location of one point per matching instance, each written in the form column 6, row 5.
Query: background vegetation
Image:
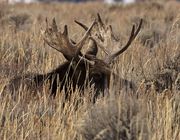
column 152, row 62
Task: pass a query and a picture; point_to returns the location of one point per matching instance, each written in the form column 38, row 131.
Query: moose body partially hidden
column 80, row 69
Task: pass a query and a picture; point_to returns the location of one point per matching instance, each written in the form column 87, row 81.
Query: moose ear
column 92, row 48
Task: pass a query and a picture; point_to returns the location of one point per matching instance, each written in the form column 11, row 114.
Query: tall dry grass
column 148, row 114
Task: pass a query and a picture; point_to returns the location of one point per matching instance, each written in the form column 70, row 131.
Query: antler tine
column 131, row 38
column 54, row 25
column 65, row 32
column 46, row 23
column 139, row 27
column 100, row 20
column 112, row 34
column 81, row 24
column 81, row 42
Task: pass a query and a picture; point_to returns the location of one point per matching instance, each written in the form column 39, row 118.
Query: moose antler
column 108, row 38
column 107, row 41
column 61, row 42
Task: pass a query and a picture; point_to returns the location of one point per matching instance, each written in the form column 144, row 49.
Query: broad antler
column 61, row 42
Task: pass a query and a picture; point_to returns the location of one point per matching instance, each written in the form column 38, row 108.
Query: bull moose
column 80, row 69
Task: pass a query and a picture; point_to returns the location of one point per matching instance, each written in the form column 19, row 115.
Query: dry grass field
column 152, row 63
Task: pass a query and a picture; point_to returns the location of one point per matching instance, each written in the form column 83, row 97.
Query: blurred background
column 106, row 1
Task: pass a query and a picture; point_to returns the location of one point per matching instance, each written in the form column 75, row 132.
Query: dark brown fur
column 65, row 77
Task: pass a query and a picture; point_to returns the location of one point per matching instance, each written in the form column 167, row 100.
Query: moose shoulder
column 80, row 69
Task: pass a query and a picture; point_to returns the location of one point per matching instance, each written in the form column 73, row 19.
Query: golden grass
column 151, row 115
